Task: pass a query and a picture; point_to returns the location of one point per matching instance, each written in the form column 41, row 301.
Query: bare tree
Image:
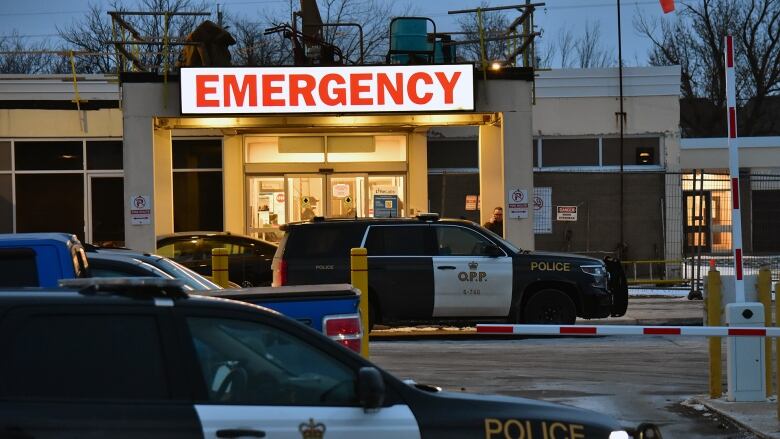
column 494, row 24
column 589, row 48
column 92, row 32
column 696, row 42
column 24, row 58
column 253, row 48
column 373, row 15
column 566, row 46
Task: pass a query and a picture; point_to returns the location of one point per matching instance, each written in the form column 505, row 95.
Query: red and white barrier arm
column 701, row 331
column 731, row 123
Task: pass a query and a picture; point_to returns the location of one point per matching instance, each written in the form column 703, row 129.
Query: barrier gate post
column 219, row 267
column 764, row 289
column 713, row 319
column 777, row 350
column 358, row 258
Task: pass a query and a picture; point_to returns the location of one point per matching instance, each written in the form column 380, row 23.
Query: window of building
column 366, row 149
column 104, row 154
column 50, row 203
column 5, row 156
column 54, row 155
column 292, row 149
column 570, row 152
column 197, row 184
column 197, row 154
column 636, row 151
column 107, row 357
column 197, row 201
column 253, row 364
column 6, row 204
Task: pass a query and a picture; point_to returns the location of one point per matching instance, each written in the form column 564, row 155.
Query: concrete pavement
column 760, row 418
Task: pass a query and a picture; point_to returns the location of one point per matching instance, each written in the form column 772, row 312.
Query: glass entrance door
column 106, row 226
column 305, row 193
column 346, row 195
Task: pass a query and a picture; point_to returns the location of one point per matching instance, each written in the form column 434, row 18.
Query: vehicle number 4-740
column 471, row 292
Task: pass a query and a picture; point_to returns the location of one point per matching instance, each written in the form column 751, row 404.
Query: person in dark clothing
column 496, row 224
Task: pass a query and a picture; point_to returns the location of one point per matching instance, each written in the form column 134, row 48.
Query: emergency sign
column 364, row 89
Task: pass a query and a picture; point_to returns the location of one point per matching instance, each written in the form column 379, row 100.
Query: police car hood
column 493, row 416
column 564, row 257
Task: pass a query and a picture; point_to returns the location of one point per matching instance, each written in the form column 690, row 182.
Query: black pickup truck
column 427, row 268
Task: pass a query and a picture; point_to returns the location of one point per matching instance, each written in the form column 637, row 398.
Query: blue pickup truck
column 42, row 259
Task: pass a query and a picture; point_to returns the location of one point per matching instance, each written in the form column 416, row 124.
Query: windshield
column 189, row 277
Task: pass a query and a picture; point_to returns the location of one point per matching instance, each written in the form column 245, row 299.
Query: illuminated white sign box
column 363, row 89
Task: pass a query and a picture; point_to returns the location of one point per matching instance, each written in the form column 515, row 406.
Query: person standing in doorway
column 496, row 224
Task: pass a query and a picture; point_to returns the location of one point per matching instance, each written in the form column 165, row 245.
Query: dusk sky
column 38, row 19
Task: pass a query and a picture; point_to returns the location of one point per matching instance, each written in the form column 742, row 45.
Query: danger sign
column 566, row 213
column 364, row 89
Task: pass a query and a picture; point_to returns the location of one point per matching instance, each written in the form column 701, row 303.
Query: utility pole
column 621, row 117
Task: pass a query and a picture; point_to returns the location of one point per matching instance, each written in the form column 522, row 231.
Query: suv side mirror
column 370, row 388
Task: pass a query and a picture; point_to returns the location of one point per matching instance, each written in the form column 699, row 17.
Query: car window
column 249, row 363
column 18, row 268
column 398, row 241
column 129, row 268
column 190, row 278
column 85, row 356
column 459, row 241
column 327, row 241
column 182, row 250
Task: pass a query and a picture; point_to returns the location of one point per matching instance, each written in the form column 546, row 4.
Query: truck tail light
column 344, row 329
column 280, row 274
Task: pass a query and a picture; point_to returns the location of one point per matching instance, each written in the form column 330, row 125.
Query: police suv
column 427, row 268
column 138, row 358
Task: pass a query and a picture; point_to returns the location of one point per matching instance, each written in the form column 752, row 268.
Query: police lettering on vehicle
column 472, row 275
column 524, row 429
column 550, row 266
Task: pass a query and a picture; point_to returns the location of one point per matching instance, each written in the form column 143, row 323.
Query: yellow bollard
column 764, row 289
column 358, row 258
column 713, row 319
column 219, row 266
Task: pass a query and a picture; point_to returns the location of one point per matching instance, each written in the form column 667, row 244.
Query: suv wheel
column 548, row 307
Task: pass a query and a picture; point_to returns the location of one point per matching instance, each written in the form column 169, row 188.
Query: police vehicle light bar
column 428, row 216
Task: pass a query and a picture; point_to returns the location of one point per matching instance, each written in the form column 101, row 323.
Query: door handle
column 239, row 432
column 446, row 267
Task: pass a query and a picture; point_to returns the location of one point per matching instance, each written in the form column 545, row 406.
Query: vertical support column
column 417, row 182
column 713, row 319
column 163, row 183
column 147, row 168
column 491, row 172
column 233, row 179
column 516, row 164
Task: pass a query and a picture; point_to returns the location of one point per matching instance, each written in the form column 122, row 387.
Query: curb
column 747, row 427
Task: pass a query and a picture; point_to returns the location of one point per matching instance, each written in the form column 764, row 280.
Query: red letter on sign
column 412, row 88
column 355, row 89
column 305, row 91
column 201, row 90
column 268, row 101
column 447, row 85
column 396, row 91
column 340, row 93
column 230, row 85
